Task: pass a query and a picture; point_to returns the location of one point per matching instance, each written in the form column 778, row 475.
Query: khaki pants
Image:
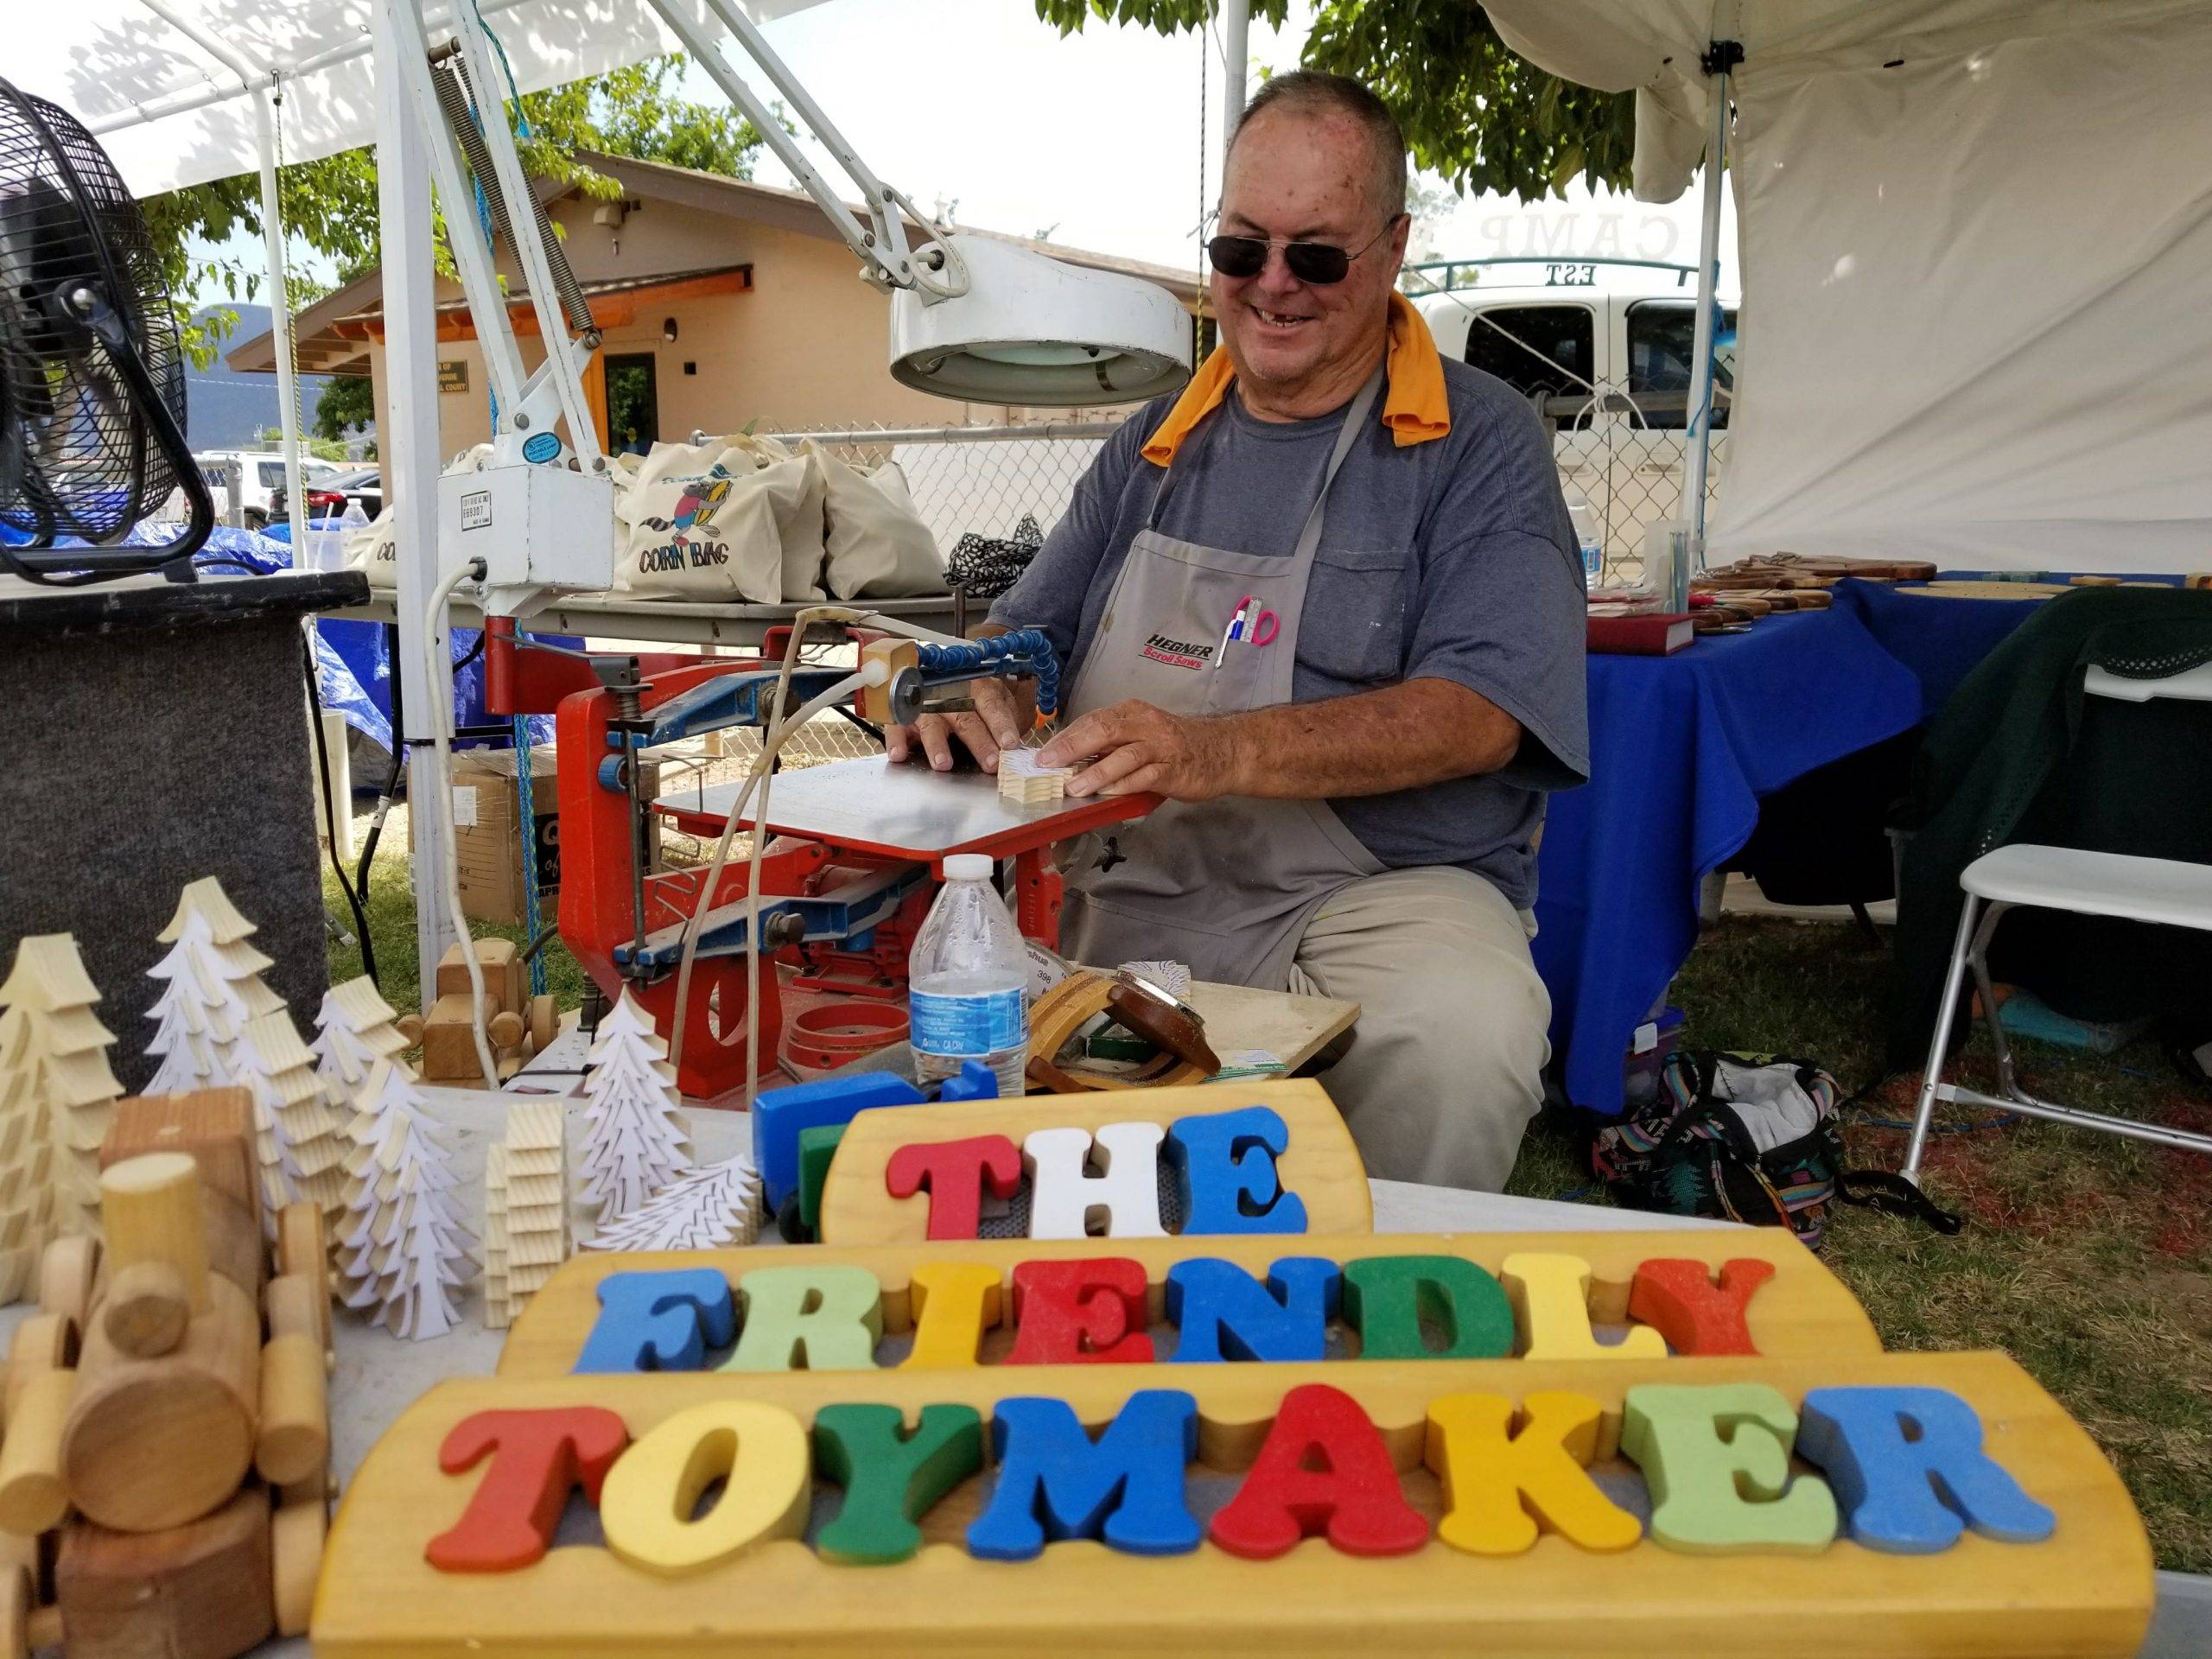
column 1443, row 1072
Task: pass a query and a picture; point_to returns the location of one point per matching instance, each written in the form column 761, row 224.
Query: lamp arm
column 886, row 261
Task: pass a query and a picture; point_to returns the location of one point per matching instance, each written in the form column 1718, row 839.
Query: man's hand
column 1142, row 749
column 995, row 725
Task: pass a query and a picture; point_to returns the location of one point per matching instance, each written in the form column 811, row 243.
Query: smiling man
column 1328, row 603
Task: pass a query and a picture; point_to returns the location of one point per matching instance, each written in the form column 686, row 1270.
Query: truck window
column 1538, row 350
column 1662, row 343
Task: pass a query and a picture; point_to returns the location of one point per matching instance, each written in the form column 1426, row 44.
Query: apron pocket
column 1354, row 627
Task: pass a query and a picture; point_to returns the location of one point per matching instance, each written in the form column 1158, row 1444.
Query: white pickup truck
column 1603, row 348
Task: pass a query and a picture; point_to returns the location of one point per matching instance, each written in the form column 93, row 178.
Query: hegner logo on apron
column 1177, row 653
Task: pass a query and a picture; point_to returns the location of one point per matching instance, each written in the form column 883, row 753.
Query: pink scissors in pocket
column 1263, row 626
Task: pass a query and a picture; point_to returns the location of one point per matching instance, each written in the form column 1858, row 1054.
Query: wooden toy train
column 165, row 1478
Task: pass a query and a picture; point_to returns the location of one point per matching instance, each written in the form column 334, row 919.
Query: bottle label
column 987, row 1023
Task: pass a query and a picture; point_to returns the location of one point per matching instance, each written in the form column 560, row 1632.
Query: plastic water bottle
column 967, row 976
column 1592, row 536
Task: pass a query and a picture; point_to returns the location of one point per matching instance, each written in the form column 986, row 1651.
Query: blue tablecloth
column 1681, row 749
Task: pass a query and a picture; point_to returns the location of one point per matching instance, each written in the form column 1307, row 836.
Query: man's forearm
column 1371, row 743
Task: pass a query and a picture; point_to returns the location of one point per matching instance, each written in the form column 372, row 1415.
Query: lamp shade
column 1033, row 330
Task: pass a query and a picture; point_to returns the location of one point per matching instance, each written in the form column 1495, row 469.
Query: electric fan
column 91, row 384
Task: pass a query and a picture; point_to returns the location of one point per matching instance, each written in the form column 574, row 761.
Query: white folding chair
column 2160, row 890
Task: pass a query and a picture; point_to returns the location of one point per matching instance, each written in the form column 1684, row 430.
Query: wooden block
column 200, row 1590
column 66, row 1274
column 1122, row 1201
column 1051, row 1474
column 296, row 1533
column 1323, row 1472
column 894, row 654
column 2087, row 1590
column 449, row 1039
column 1222, row 1312
column 819, row 1316
column 956, row 1174
column 1319, row 1164
column 1500, row 1481
column 150, row 1208
column 1551, row 1303
column 1024, row 783
column 1909, row 1470
column 44, row 1342
column 216, row 1126
column 1080, row 1313
column 645, row 1507
column 891, row 1479
column 1802, row 1311
column 1680, row 1300
column 146, row 1309
column 34, row 1489
column 1716, row 1458
column 292, row 1442
column 504, row 977
column 1227, row 1162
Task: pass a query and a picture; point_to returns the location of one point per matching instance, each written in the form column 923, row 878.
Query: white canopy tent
column 1976, row 258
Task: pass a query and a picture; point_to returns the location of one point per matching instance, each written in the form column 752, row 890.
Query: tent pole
column 1719, row 58
column 410, row 445
column 1235, row 17
column 280, row 319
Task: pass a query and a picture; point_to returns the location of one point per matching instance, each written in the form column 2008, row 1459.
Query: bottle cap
column 967, row 867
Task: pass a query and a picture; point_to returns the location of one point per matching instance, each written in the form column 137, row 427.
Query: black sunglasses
column 1318, row 262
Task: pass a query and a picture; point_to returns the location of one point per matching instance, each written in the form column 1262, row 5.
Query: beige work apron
column 1226, row 886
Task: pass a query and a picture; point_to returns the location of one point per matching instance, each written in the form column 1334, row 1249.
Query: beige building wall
column 807, row 347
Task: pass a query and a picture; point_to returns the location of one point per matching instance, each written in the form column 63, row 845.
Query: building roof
column 334, row 334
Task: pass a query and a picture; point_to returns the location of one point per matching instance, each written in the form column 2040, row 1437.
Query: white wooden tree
column 211, row 990
column 714, row 1209
column 74, row 1089
column 636, row 1141
column 297, row 1138
column 403, row 1251
column 26, row 1190
column 354, row 1029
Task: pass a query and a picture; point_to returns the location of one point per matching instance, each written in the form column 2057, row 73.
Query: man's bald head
column 1311, row 93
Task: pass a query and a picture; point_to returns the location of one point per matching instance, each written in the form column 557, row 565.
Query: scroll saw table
column 907, row 810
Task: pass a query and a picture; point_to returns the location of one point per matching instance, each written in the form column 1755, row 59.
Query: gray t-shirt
column 1450, row 560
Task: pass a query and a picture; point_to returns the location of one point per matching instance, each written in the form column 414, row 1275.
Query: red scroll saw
column 859, row 855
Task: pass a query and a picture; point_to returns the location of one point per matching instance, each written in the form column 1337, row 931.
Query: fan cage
column 76, row 456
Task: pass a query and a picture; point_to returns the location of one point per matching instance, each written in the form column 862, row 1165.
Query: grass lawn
column 2085, row 1256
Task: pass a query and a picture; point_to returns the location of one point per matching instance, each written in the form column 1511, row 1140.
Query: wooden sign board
column 1789, row 1304
column 1268, row 1157
column 1648, row 1507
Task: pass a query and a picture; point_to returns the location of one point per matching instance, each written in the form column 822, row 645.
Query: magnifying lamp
column 972, row 317
column 1033, row 330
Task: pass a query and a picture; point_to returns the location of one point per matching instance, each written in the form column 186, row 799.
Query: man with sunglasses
column 1328, row 603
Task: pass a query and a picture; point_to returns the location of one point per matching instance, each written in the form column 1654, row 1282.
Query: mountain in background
column 225, row 410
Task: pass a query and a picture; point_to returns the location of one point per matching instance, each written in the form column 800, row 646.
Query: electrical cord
column 438, row 664
column 332, row 807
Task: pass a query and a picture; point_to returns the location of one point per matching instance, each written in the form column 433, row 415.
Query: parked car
column 323, row 500
column 363, row 486
column 260, row 474
column 1604, row 349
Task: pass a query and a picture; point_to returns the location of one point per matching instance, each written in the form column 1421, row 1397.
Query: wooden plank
column 2086, row 1590
column 1802, row 1311
column 1320, row 1165
column 1292, row 1028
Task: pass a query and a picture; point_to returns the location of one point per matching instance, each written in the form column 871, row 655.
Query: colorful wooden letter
column 1388, row 1298
column 1908, row 1468
column 1323, row 1470
column 826, row 1319
column 1221, row 1312
column 1124, row 1199
column 538, row 1458
column 955, row 1302
column 956, row 1173
column 1678, row 1300
column 1071, row 1313
column 1055, row 1482
column 1230, row 1185
column 1500, row 1483
column 1716, row 1458
column 892, row 1479
column 759, row 1453
column 1551, row 1299
column 659, row 1321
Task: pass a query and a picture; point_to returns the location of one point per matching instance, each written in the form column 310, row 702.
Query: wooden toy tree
column 403, row 1251
column 537, row 1238
column 499, row 1310
column 297, row 1139
column 213, row 991
column 714, row 1209
column 26, row 1190
column 354, row 1029
column 74, row 1092
column 636, row 1141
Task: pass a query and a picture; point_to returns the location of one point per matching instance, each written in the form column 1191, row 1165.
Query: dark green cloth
column 2012, row 758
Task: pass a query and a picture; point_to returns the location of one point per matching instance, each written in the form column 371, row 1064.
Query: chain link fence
column 1623, row 459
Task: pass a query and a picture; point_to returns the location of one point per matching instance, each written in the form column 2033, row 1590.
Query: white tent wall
column 171, row 113
column 1976, row 255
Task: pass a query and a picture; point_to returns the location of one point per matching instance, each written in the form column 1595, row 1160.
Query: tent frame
column 1720, row 58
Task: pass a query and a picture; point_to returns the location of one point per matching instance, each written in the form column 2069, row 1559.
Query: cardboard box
column 487, row 847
